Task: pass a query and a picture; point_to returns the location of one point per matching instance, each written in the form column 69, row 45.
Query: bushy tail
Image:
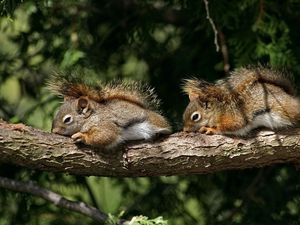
column 244, row 77
column 74, row 85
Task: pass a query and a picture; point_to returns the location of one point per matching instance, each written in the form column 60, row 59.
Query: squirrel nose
column 185, row 129
column 55, row 130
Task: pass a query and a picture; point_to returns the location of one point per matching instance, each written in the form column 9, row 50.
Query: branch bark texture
column 178, row 154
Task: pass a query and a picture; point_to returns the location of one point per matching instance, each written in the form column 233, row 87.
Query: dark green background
column 159, row 42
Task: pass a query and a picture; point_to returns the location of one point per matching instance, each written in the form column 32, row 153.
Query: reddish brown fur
column 132, row 92
column 233, row 103
column 206, row 91
column 98, row 136
column 127, row 98
column 230, row 122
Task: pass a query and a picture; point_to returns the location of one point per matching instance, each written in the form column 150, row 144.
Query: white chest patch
column 141, row 131
column 270, row 120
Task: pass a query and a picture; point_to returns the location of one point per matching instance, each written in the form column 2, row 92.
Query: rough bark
column 178, row 154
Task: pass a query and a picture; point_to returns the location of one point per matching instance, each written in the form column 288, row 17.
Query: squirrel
column 106, row 115
column 249, row 98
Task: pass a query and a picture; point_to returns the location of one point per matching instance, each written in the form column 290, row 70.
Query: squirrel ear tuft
column 83, row 105
column 67, row 98
column 193, row 96
column 204, row 91
column 195, row 88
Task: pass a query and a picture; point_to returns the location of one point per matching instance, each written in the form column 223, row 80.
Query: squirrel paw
column 208, row 130
column 78, row 137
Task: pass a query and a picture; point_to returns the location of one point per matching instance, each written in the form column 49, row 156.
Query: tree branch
column 31, row 188
column 224, row 51
column 213, row 26
column 180, row 153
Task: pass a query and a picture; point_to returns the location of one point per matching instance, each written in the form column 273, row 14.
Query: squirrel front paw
column 208, row 130
column 78, row 137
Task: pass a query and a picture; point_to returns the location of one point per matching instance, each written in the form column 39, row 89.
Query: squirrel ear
column 83, row 105
column 193, row 96
column 196, row 88
column 67, row 98
column 206, row 104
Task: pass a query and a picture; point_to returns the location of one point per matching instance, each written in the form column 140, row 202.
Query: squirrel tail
column 73, row 85
column 132, row 91
column 240, row 79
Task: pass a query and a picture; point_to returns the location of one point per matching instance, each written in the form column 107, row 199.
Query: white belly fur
column 270, row 120
column 141, row 131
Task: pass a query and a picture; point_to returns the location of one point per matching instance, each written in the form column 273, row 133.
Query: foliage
column 159, row 42
column 137, row 220
column 142, row 220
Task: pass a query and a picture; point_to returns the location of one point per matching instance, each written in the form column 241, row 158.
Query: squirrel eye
column 67, row 119
column 196, row 116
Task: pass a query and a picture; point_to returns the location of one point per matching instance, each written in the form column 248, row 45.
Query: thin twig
column 58, row 200
column 91, row 194
column 261, row 11
column 224, row 51
column 212, row 25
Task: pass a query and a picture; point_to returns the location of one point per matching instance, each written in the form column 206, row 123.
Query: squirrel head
column 204, row 100
column 197, row 114
column 72, row 115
